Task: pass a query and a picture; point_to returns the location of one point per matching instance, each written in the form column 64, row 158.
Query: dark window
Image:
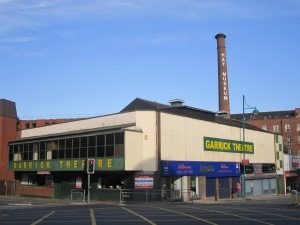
column 268, row 168
column 68, row 153
column 92, row 141
column 92, row 152
column 119, row 138
column 42, row 152
column 30, row 151
column 83, row 147
column 69, row 145
column 100, row 151
column 100, row 140
column 109, row 139
column 109, row 151
column 34, row 125
column 11, row 153
column 27, row 125
column 75, row 148
column 25, row 152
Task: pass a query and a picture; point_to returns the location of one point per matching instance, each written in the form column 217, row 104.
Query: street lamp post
column 255, row 111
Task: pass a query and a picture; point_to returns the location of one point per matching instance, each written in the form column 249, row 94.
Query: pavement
column 4, row 200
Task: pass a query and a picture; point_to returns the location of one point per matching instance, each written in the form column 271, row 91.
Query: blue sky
column 71, row 58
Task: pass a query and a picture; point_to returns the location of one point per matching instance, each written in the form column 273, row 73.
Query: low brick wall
column 37, row 191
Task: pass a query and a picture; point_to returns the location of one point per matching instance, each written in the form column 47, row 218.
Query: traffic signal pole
column 88, row 188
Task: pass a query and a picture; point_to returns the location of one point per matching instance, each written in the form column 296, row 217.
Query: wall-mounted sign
column 66, row 164
column 224, row 145
column 192, row 168
column 143, row 182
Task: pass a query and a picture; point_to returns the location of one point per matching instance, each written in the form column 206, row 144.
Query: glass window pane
column 75, row 153
column 109, row 151
column 109, row 139
column 69, row 143
column 100, row 151
column 92, row 152
column 92, row 141
column 68, row 153
column 119, row 138
column 83, row 142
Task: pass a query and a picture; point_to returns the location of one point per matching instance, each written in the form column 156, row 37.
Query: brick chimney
column 222, row 76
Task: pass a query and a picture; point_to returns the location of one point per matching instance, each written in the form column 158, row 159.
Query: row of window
column 276, row 127
column 108, row 145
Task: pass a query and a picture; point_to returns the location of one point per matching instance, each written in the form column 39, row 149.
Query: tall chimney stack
column 223, row 76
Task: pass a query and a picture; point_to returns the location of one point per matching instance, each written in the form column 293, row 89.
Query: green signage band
column 107, row 164
column 224, row 145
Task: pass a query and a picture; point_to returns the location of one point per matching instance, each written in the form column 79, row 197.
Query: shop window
column 268, row 168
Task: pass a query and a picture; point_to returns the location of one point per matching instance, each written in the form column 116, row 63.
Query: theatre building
column 147, row 145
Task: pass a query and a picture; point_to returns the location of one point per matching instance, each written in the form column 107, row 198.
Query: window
column 69, row 146
column 298, row 127
column 264, row 127
column 42, row 154
column 288, row 139
column 287, row 127
column 83, row 147
column 298, row 139
column 61, row 148
column 92, row 147
column 34, row 125
column 100, row 145
column 276, row 128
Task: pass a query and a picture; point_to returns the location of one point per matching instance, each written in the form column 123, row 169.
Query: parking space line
column 188, row 215
column 138, row 215
column 265, row 213
column 44, row 217
column 233, row 214
column 93, row 219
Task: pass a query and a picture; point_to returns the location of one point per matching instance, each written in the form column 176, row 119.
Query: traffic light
column 90, row 166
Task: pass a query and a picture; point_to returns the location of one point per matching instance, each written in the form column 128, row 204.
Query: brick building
column 10, row 128
column 286, row 123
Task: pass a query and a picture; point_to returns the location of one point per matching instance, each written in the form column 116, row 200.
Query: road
column 271, row 212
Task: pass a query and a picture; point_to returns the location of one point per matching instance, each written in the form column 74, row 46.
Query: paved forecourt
column 241, row 213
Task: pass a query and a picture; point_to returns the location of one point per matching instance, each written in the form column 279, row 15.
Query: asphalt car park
column 271, row 212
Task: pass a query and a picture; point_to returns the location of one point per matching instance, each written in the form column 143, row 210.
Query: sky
column 80, row 58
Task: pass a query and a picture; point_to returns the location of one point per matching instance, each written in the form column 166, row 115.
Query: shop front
column 201, row 180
